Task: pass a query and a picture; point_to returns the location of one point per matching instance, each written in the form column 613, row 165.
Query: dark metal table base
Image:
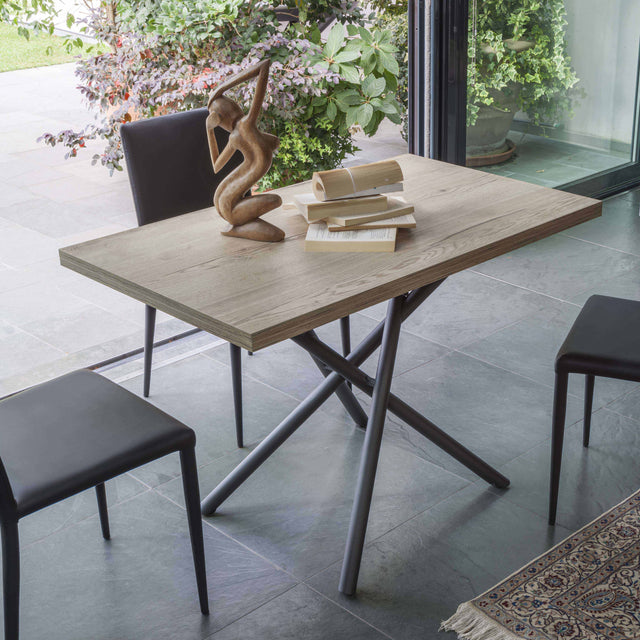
column 337, row 369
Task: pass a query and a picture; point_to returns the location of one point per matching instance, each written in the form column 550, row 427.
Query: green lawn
column 17, row 52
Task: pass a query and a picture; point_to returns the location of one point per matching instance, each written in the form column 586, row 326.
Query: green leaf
column 352, row 116
column 335, row 40
column 346, row 56
column 332, row 111
column 368, row 60
column 389, row 63
column 388, row 108
column 350, row 74
column 373, row 86
column 365, row 113
column 348, row 98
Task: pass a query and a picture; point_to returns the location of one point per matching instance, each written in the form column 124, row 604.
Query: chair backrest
column 169, row 164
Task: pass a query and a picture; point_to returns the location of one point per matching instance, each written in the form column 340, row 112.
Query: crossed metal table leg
column 337, row 370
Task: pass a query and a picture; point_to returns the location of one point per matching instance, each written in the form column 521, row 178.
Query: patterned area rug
column 585, row 588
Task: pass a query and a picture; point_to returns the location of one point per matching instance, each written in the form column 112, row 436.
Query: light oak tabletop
column 256, row 294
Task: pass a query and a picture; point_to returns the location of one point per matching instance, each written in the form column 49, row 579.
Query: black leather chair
column 603, row 341
column 170, row 173
column 74, row 433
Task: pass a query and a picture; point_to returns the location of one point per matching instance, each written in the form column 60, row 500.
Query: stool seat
column 604, row 340
column 77, row 431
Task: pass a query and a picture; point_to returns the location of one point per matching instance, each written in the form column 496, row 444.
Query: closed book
column 401, row 222
column 396, row 208
column 313, row 209
column 319, row 238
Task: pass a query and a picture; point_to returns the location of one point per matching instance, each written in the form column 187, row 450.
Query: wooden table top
column 256, row 294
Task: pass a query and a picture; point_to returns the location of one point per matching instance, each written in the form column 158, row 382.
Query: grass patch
column 16, row 52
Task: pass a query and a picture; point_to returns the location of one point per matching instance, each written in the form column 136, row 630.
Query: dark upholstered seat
column 603, row 341
column 74, row 433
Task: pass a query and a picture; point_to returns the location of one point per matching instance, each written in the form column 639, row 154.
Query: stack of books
column 344, row 217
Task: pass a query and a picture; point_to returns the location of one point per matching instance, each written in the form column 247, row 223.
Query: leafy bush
column 539, row 78
column 168, row 57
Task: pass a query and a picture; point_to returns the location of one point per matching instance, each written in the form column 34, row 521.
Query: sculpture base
column 257, row 229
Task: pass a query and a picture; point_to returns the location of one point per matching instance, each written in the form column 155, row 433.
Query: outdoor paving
column 477, row 358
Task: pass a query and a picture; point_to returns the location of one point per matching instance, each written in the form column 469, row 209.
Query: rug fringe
column 471, row 624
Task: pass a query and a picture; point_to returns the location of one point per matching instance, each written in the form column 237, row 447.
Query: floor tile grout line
column 351, row 613
column 519, row 286
column 163, row 363
column 230, row 537
column 89, row 517
column 286, row 393
column 603, row 246
column 256, row 608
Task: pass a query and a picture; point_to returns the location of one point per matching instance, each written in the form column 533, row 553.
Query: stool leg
column 192, row 500
column 235, row 354
column 149, row 331
column 11, row 578
column 588, row 408
column 557, row 438
column 101, row 494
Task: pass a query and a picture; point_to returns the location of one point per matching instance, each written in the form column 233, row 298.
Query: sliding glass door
column 551, row 89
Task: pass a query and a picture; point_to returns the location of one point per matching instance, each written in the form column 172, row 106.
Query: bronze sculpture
column 240, row 210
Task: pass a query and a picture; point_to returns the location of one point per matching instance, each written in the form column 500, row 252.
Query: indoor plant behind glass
column 518, row 61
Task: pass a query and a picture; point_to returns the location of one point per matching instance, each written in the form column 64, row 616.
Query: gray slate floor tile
column 469, row 306
column 559, row 266
column 529, row 348
column 618, row 227
column 198, row 392
column 592, row 480
column 141, row 584
column 299, row 613
column 497, row 414
column 415, row 576
column 296, row 509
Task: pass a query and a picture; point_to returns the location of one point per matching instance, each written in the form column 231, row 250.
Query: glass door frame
column 448, row 91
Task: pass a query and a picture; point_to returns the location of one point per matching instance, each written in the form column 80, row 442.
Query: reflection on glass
column 551, row 87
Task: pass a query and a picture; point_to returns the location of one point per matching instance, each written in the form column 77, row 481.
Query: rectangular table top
column 256, row 294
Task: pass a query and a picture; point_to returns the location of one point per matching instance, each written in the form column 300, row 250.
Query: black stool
column 74, row 433
column 603, row 341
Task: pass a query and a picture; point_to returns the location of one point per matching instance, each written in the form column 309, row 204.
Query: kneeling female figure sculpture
column 240, row 210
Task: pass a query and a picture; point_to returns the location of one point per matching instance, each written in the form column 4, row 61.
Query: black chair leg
column 557, row 438
column 236, row 381
column 101, row 494
column 11, row 578
column 149, row 331
column 588, row 408
column 192, row 500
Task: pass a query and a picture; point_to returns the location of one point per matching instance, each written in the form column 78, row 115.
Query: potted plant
column 518, row 61
column 169, row 56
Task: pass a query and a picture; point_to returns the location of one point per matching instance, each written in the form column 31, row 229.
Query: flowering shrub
column 318, row 92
